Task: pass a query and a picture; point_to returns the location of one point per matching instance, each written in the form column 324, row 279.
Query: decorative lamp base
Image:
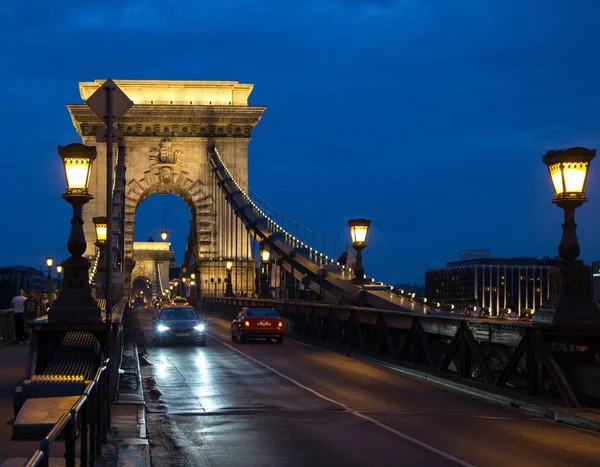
column 571, row 302
column 75, row 303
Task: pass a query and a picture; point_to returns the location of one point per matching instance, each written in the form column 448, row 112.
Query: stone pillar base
column 75, row 303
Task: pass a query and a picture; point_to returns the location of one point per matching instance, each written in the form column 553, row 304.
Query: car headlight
column 162, row 328
column 199, row 328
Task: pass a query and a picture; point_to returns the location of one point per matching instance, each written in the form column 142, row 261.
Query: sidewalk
column 13, row 366
column 128, row 444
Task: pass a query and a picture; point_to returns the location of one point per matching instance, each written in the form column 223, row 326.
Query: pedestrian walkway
column 13, row 366
column 128, row 446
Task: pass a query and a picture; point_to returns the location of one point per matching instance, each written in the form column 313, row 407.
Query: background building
column 516, row 283
column 467, row 255
column 24, row 277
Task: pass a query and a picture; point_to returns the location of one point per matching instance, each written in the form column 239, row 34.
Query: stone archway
column 141, row 286
column 190, row 191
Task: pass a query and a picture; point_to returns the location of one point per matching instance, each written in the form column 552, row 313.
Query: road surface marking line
column 349, row 409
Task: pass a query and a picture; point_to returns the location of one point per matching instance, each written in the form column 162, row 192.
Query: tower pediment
column 160, row 92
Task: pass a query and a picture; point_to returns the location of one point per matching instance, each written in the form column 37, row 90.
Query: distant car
column 180, row 301
column 179, row 324
column 262, row 323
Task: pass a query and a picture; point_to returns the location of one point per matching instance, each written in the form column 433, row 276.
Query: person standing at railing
column 18, row 304
column 32, row 310
column 44, row 304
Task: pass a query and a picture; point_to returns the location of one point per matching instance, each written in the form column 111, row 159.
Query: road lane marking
column 349, row 409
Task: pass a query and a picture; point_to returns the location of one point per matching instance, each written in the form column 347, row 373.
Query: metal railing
column 7, row 326
column 86, row 420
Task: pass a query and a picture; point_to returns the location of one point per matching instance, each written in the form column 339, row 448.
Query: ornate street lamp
column 59, row 270
column 228, row 287
column 101, row 228
column 75, row 302
column 164, row 234
column 49, row 284
column 359, row 228
column 192, row 276
column 572, row 303
column 265, row 286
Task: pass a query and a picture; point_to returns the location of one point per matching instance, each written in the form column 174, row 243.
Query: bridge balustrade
column 87, row 420
column 7, row 326
column 556, row 363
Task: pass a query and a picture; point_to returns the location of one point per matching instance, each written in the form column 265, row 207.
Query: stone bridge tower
column 166, row 135
column 152, row 261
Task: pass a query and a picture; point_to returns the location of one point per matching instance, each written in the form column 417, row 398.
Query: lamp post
column 75, row 302
column 265, row 286
column 101, row 229
column 228, row 286
column 49, row 285
column 59, row 270
column 359, row 228
column 571, row 301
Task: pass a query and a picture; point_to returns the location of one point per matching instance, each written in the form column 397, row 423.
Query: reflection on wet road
column 298, row 405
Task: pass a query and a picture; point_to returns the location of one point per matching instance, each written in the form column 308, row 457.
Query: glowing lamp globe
column 77, row 161
column 49, row 261
column 359, row 228
column 568, row 170
column 229, row 265
column 101, row 229
column 163, row 235
column 265, row 255
column 59, row 269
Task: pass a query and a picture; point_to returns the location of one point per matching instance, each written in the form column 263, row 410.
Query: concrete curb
column 557, row 414
column 133, row 451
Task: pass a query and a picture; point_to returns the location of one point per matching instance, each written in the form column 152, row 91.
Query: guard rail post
column 84, row 433
column 45, row 448
column 93, row 413
column 99, row 421
column 70, row 436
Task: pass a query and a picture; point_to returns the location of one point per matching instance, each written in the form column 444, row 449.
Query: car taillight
column 246, row 323
column 280, row 324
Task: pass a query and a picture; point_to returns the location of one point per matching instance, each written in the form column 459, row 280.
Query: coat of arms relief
column 165, row 160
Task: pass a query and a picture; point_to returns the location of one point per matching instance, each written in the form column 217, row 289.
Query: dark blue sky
column 428, row 116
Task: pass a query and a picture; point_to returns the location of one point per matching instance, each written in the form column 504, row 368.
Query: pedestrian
column 18, row 304
column 32, row 310
column 44, row 304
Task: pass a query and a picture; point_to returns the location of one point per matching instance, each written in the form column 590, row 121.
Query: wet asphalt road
column 261, row 404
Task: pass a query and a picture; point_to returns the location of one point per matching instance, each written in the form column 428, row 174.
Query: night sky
column 428, row 116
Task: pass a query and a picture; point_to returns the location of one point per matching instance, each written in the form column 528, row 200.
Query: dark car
column 252, row 323
column 179, row 324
